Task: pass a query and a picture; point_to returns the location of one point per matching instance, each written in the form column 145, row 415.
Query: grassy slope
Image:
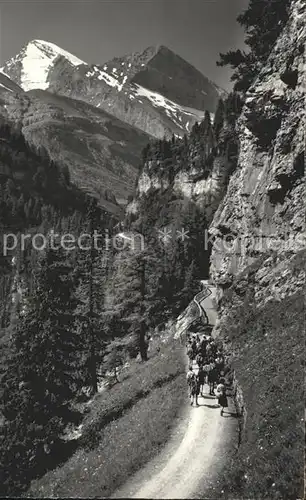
column 268, row 359
column 126, row 427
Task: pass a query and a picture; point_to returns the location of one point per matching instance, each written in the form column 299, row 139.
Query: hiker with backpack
column 221, row 395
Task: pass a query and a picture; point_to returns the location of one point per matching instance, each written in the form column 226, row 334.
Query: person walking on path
column 199, row 359
column 208, row 350
column 213, row 348
column 190, row 375
column 206, row 368
column 194, row 386
column 203, row 347
column 195, row 390
column 219, row 362
column 201, row 377
column 221, row 395
column 212, row 377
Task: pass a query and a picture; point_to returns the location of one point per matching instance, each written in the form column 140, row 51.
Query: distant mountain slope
column 154, row 90
column 161, row 70
column 101, row 152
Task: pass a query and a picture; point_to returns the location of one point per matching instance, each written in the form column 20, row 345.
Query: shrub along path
column 127, row 425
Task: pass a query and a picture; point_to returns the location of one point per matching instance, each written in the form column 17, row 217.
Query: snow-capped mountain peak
column 36, row 60
column 53, row 51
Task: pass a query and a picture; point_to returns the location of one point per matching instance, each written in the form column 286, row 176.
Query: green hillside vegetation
column 112, row 302
column 268, row 359
column 127, row 425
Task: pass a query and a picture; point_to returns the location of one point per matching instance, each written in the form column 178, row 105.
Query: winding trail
column 189, row 464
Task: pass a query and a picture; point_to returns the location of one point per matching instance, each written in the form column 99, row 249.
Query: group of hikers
column 209, row 357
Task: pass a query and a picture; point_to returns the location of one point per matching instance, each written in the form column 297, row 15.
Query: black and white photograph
column 152, row 249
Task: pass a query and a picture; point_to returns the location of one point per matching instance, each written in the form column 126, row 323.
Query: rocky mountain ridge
column 154, row 90
column 96, row 119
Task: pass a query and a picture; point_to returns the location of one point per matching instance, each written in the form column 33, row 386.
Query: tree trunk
column 93, row 369
column 93, row 360
column 143, row 346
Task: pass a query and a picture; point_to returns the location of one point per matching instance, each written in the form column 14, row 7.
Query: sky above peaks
column 98, row 30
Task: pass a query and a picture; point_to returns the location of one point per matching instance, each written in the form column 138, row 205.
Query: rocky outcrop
column 264, row 205
column 195, row 169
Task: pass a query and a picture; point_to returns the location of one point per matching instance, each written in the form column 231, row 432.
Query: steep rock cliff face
column 264, row 205
column 258, row 264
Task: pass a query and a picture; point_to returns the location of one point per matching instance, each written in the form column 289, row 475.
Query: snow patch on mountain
column 172, row 109
column 111, row 80
column 108, row 79
column 54, row 50
column 38, row 58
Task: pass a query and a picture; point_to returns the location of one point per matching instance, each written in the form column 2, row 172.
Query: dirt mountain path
column 193, row 458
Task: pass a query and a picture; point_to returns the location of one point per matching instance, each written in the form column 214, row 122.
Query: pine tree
column 233, row 108
column 219, row 118
column 136, row 293
column 114, row 357
column 262, row 21
column 207, row 135
column 43, row 375
column 92, row 273
column 129, row 299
